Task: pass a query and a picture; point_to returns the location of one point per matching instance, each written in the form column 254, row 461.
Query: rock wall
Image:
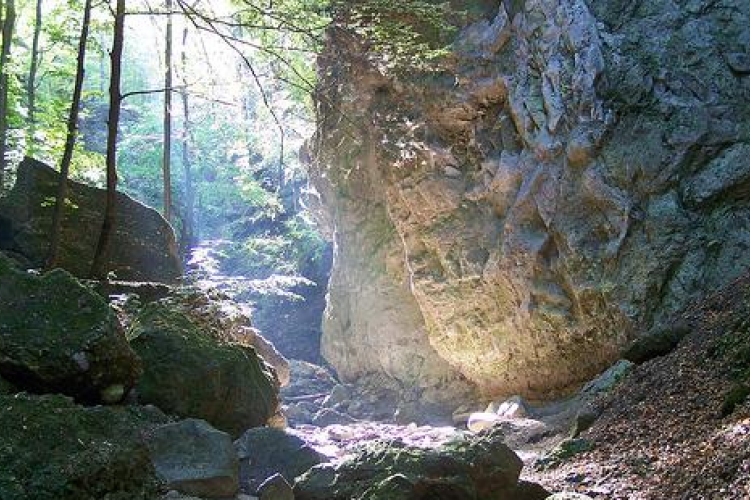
column 576, row 171
column 144, row 247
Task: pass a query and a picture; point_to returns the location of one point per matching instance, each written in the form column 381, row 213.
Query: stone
column 584, row 418
column 527, row 490
column 287, row 310
column 339, row 394
column 739, row 62
column 55, row 449
column 275, row 488
column 57, row 335
column 308, row 379
column 479, row 467
column 481, row 421
column 607, row 380
column 270, row 355
column 193, row 458
column 328, row 416
column 569, row 496
column 189, row 371
column 513, row 407
column 620, row 199
column 264, row 452
column 144, row 247
column 659, row 341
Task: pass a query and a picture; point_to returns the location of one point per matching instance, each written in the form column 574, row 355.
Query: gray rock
column 328, row 416
column 58, row 336
column 339, row 394
column 658, row 341
column 513, row 407
column 264, row 452
column 480, row 467
column 275, row 488
column 143, row 247
column 569, row 496
column 193, row 458
column 584, row 418
column 607, row 379
column 603, row 187
column 739, row 62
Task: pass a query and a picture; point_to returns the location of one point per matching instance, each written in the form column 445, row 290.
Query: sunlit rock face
column 579, row 170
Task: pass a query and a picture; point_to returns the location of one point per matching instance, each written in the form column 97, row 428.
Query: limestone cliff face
column 579, row 170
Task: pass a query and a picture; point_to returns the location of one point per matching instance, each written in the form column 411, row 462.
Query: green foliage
column 295, row 249
column 407, row 35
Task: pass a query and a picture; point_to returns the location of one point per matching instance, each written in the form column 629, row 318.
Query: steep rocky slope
column 576, row 171
column 678, row 426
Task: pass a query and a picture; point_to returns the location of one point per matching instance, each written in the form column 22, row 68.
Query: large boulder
column 575, row 171
column 193, row 458
column 143, row 246
column 190, row 371
column 57, row 335
column 53, row 449
column 266, row 451
column 481, row 468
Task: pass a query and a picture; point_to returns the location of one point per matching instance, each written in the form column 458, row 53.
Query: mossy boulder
column 190, row 372
column 477, row 468
column 143, row 248
column 54, row 449
column 58, row 336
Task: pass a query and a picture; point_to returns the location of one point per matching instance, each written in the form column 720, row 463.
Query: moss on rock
column 190, row 372
column 54, row 449
column 480, row 468
column 58, row 336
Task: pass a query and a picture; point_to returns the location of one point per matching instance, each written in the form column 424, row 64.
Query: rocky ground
column 676, row 426
column 679, row 425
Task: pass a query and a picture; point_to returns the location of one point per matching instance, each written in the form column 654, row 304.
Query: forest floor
column 678, row 427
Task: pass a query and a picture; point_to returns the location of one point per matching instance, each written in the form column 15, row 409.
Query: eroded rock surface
column 576, row 169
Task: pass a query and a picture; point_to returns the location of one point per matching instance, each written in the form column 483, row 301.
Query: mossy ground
column 53, row 449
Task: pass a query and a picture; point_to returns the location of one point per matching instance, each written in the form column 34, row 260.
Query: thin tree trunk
column 70, row 141
column 189, row 233
column 31, row 82
column 167, row 153
column 9, row 22
column 100, row 265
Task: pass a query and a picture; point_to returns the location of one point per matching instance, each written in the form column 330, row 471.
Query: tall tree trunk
column 100, row 265
column 189, row 235
column 167, row 153
column 9, row 21
column 31, row 82
column 70, row 141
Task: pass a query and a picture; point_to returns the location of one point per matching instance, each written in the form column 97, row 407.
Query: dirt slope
column 670, row 429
